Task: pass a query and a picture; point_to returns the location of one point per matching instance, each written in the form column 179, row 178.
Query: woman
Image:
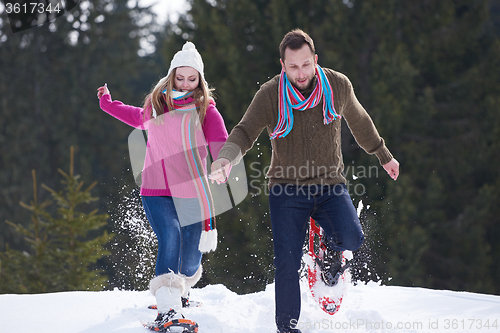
column 181, row 119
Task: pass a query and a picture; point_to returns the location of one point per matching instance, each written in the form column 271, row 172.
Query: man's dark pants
column 291, row 206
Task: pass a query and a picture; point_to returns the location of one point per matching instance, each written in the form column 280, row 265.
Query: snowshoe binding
column 172, row 322
column 331, row 266
column 186, row 303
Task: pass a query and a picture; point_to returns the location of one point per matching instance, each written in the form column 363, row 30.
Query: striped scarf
column 290, row 98
column 190, row 121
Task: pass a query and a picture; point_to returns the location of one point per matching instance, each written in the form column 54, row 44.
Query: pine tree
column 64, row 245
column 48, row 101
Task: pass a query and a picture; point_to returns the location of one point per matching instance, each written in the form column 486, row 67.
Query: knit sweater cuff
column 384, row 155
column 232, row 152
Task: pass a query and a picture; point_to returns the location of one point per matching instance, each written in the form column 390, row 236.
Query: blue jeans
column 291, row 206
column 177, row 245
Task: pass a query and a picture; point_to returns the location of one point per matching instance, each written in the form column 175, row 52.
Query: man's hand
column 392, row 168
column 220, row 170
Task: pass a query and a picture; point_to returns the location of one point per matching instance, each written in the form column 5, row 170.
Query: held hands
column 220, row 170
column 102, row 91
column 392, row 168
column 222, row 167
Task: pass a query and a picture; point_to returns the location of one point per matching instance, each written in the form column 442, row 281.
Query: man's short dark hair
column 294, row 40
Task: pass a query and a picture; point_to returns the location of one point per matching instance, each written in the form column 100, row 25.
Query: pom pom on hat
column 188, row 56
column 188, row 46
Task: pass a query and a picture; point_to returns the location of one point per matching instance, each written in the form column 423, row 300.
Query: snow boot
column 168, row 289
column 186, row 303
column 188, row 283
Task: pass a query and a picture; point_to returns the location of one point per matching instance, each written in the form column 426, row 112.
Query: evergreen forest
column 426, row 72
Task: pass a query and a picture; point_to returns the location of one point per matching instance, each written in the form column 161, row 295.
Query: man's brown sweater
column 311, row 153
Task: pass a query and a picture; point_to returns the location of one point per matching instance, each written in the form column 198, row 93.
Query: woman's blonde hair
column 157, row 100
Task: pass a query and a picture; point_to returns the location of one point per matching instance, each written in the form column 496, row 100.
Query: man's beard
column 303, row 87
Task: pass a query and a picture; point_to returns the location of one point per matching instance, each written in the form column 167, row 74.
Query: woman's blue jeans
column 177, row 245
column 291, row 206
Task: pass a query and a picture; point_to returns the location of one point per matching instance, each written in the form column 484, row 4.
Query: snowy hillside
column 367, row 308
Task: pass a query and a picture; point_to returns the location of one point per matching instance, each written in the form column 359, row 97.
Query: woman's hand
column 220, row 171
column 102, row 91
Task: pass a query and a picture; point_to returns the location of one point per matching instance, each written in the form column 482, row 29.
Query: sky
column 166, row 8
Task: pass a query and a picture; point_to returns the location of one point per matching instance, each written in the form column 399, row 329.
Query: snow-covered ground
column 366, row 308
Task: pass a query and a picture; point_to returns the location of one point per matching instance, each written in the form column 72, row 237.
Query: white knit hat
column 188, row 56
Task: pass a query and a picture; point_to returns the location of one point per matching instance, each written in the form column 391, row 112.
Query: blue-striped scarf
column 290, row 98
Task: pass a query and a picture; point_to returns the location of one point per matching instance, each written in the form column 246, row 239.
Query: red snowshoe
column 328, row 281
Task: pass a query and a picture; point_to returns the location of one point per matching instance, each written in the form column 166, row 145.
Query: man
column 301, row 109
